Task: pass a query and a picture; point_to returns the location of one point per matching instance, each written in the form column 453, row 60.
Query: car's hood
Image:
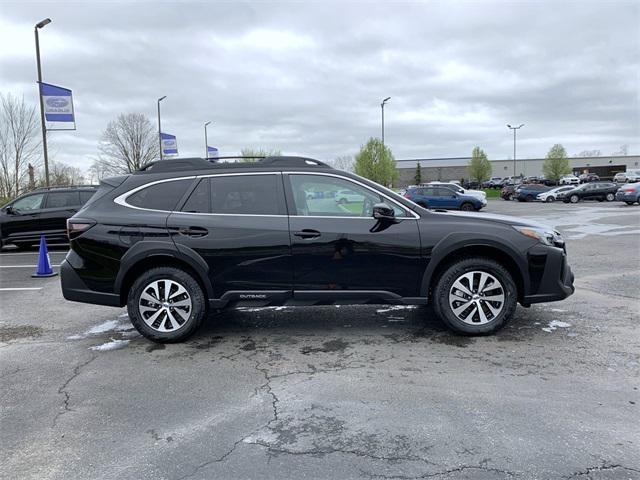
column 491, row 217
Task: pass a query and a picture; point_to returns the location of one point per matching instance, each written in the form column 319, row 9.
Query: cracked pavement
column 369, row 392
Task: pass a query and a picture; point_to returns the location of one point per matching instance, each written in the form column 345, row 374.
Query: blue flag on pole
column 169, row 144
column 212, row 152
column 58, row 103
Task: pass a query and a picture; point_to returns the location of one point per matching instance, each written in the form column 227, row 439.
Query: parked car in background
column 479, row 194
column 629, row 193
column 443, row 196
column 508, row 192
column 43, row 211
column 588, row 177
column 569, row 180
column 600, row 191
column 348, row 196
column 493, row 182
column 633, row 175
column 514, row 180
column 529, row 192
column 552, row 195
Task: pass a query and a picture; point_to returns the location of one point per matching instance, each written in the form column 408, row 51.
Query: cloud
column 308, row 78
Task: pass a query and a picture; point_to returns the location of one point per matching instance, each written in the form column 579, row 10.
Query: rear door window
column 161, row 196
column 247, row 195
column 62, row 199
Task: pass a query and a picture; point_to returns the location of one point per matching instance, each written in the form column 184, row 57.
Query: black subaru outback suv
column 183, row 237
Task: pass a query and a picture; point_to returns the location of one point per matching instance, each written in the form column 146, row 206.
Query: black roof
column 187, row 164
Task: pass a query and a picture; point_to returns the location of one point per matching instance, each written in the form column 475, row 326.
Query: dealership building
column 445, row 169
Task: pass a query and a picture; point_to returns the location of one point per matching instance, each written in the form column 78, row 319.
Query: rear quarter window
column 161, row 196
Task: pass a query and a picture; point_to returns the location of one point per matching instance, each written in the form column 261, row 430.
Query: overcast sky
column 308, row 78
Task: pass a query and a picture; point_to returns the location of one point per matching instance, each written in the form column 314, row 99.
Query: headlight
column 543, row 235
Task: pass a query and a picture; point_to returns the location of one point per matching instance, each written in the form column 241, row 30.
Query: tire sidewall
column 452, row 273
column 574, row 199
column 198, row 304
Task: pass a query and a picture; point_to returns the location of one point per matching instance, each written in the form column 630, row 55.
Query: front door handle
column 307, row 233
column 194, row 231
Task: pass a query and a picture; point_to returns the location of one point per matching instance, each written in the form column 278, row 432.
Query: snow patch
column 103, row 327
column 112, row 345
column 395, row 307
column 554, row 325
column 558, row 310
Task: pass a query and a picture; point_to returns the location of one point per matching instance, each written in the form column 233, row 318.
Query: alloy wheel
column 476, row 298
column 165, row 305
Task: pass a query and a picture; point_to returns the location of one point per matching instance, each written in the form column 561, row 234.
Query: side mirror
column 382, row 211
column 9, row 210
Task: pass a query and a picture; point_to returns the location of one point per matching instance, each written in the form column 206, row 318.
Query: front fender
column 462, row 240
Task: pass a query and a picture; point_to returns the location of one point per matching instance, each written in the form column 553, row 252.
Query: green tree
column 556, row 164
column 253, row 154
column 417, row 178
column 479, row 167
column 376, row 162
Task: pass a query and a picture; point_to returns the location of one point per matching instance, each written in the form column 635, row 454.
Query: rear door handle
column 193, row 231
column 307, row 233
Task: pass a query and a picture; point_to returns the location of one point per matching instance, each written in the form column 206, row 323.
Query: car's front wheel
column 166, row 304
column 574, row 198
column 610, row 197
column 475, row 296
column 467, row 207
column 550, row 199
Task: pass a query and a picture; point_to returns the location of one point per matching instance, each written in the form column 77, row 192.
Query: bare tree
column 19, row 143
column 62, row 175
column 97, row 172
column 345, row 163
column 624, row 149
column 128, row 144
column 589, row 153
column 252, row 154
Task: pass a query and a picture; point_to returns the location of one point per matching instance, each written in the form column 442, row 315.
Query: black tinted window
column 30, row 202
column 85, row 196
column 62, row 199
column 199, row 200
column 245, row 194
column 161, row 196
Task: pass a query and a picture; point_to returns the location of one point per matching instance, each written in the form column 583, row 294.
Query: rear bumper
column 627, row 197
column 555, row 281
column 74, row 289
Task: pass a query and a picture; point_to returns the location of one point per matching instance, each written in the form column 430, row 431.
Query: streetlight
column 159, row 126
column 514, row 145
column 38, row 26
column 206, row 143
column 382, row 107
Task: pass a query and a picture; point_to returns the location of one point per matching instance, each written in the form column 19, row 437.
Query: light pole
column 514, row 144
column 38, row 26
column 206, row 143
column 160, row 126
column 382, row 107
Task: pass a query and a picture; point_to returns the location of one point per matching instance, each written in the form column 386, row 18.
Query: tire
column 530, row 198
column 630, row 203
column 23, row 245
column 155, row 280
column 574, row 199
column 510, row 197
column 496, row 313
column 467, row 207
column 550, row 199
column 610, row 197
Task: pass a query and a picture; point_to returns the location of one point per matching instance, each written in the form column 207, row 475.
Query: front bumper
column 74, row 289
column 551, row 278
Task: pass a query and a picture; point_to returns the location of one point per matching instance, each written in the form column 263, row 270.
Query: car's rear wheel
column 631, row 203
column 475, row 296
column 574, row 198
column 610, row 197
column 530, row 198
column 467, row 207
column 166, row 304
column 550, row 199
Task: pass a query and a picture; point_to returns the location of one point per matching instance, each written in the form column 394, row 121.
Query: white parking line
column 22, row 266
column 29, row 253
column 19, row 289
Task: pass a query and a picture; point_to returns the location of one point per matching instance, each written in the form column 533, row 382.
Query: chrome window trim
column 121, row 199
column 349, row 179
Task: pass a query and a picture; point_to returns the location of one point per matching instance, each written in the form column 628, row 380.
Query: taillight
column 77, row 227
column 406, row 195
column 628, row 189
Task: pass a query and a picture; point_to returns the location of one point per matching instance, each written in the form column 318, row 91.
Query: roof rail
column 52, row 187
column 182, row 164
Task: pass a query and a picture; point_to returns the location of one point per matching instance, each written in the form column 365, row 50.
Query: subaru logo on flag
column 57, row 102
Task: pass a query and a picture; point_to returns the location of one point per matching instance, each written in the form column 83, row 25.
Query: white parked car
column 480, row 195
column 347, row 196
column 552, row 195
column 569, row 180
column 631, row 176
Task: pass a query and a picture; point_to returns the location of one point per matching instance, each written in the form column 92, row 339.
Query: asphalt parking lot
column 333, row 392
